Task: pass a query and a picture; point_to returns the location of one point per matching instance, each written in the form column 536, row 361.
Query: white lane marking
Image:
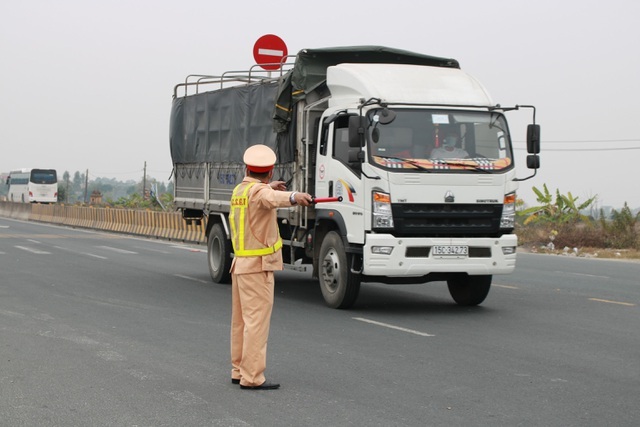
column 33, row 251
column 152, row 250
column 505, row 286
column 583, row 274
column 33, row 241
column 398, row 328
column 143, row 376
column 111, row 356
column 118, row 250
column 4, row 226
column 189, row 249
column 81, row 253
column 628, row 304
column 185, row 398
column 11, row 313
column 191, row 278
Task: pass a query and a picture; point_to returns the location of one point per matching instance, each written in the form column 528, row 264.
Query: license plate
column 450, row 251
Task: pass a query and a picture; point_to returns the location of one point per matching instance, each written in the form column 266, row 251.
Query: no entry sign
column 269, row 51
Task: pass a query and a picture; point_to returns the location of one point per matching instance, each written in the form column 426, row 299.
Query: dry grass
column 575, row 240
column 586, row 252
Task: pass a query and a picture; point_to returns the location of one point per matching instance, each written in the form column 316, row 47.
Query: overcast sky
column 88, row 84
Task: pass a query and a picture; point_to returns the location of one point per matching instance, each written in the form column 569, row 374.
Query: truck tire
column 219, row 254
column 469, row 290
column 338, row 284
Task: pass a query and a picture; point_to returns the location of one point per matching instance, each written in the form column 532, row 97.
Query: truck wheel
column 219, row 254
column 338, row 284
column 469, row 290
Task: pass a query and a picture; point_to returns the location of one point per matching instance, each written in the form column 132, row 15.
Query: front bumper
column 412, row 257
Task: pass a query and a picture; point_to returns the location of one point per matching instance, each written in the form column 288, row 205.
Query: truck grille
column 446, row 220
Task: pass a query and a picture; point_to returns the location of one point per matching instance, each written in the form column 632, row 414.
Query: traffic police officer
column 257, row 247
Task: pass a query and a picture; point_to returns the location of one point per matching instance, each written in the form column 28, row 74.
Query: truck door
column 335, row 177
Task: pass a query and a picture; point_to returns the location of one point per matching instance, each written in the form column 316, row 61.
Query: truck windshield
column 440, row 141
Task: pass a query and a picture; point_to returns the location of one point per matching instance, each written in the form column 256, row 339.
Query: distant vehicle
column 33, row 186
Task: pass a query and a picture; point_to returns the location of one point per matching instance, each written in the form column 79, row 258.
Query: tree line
column 130, row 194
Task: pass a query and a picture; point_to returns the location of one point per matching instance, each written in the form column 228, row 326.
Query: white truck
column 419, row 156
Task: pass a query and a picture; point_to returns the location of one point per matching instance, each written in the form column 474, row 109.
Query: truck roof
column 401, row 83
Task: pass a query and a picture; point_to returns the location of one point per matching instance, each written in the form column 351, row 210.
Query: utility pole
column 144, row 182
column 86, row 185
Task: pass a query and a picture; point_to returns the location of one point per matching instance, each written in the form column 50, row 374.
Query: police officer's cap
column 259, row 158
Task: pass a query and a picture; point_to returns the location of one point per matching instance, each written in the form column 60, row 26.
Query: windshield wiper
column 410, row 161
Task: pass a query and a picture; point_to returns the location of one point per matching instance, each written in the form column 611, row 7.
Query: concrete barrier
column 15, row 210
column 160, row 225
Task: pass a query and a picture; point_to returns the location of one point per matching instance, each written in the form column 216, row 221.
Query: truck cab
column 423, row 162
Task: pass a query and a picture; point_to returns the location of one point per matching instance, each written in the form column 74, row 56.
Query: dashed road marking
column 505, row 286
column 81, row 253
column 398, row 328
column 190, row 249
column 191, row 278
column 118, row 250
column 186, row 398
column 583, row 274
column 33, row 251
column 111, row 356
column 11, row 313
column 627, row 304
column 153, row 250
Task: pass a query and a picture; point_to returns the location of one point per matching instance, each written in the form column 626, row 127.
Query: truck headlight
column 508, row 219
column 382, row 216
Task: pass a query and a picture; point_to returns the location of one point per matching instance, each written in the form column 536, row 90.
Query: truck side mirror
column 533, row 139
column 533, row 161
column 356, row 131
column 357, row 126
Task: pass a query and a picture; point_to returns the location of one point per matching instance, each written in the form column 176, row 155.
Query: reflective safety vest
column 239, row 221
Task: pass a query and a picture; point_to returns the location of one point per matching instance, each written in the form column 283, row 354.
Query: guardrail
column 161, row 225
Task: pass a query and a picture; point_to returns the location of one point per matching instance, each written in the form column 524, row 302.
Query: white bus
column 33, row 186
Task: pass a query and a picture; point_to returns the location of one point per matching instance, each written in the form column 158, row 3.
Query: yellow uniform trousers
column 251, row 306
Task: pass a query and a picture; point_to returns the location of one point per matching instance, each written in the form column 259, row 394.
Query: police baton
column 315, row 200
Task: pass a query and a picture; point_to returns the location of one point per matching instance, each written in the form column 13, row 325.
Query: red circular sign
column 269, row 51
